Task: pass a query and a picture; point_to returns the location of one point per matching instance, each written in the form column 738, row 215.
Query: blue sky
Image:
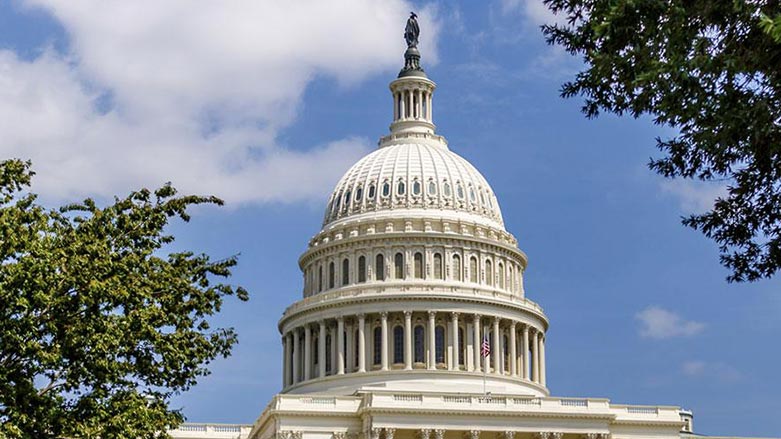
column 267, row 104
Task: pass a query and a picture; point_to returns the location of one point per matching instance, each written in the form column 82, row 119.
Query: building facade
column 414, row 321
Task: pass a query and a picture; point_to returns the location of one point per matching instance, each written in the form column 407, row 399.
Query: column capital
column 384, row 314
column 389, row 432
column 340, row 435
column 407, row 314
column 424, row 433
column 432, row 314
column 340, row 318
column 512, row 324
column 361, row 316
column 374, row 433
column 439, row 433
column 472, row 434
column 454, row 315
column 509, row 434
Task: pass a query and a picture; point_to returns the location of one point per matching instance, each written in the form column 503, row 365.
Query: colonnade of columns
column 412, row 104
column 428, row 433
column 407, row 340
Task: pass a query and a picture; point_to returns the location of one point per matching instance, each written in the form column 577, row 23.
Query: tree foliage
column 98, row 329
column 711, row 69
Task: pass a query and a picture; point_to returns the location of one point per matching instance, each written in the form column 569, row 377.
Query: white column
column 432, row 341
column 361, row 343
column 535, row 358
column 296, row 355
column 395, row 106
column 402, row 98
column 513, row 351
column 477, row 342
column 525, row 353
column 454, row 338
column 410, row 108
column 497, row 348
column 321, row 350
column 340, row 345
column 384, row 340
column 307, row 352
column 542, row 359
column 408, row 340
column 430, row 107
column 285, row 360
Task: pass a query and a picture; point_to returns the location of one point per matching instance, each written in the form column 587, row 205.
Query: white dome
column 420, row 176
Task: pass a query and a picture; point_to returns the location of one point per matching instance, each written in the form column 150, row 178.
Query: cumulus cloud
column 693, row 196
column 659, row 323
column 194, row 93
column 717, row 371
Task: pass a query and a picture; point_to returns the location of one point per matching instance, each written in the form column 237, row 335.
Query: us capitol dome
column 414, row 322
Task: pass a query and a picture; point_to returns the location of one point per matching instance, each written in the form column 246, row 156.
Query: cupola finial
column 412, row 55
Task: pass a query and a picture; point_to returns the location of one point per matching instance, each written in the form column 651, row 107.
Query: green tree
column 711, row 69
column 98, row 329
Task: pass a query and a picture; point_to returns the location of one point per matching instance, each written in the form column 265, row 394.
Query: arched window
column 457, row 273
column 489, row 273
column 385, row 189
column 416, row 187
column 358, row 193
column 471, row 194
column 379, row 267
column 439, row 336
column 432, row 188
column 500, row 268
column 331, row 275
column 347, row 199
column 401, row 188
column 490, row 200
column 459, row 191
column 482, row 198
column 398, row 345
column 446, row 189
column 398, row 262
column 377, row 345
column 328, row 353
column 338, row 202
column 345, row 271
column 418, row 259
column 473, row 269
column 420, row 344
column 361, row 269
column 319, row 278
column 437, row 266
column 372, row 191
column 461, row 346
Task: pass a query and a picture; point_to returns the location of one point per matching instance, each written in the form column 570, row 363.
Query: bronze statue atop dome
column 412, row 31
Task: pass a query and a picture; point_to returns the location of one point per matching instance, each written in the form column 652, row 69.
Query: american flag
column 485, row 348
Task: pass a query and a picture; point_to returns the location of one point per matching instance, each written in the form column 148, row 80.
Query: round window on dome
column 401, row 188
column 432, row 188
column 416, row 187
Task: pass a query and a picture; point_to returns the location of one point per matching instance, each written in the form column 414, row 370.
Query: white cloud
column 195, row 93
column 659, row 323
column 534, row 11
column 716, row 371
column 693, row 196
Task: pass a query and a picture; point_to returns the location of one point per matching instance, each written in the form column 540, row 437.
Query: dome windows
column 401, row 188
column 372, row 191
column 459, row 191
column 358, row 194
column 385, row 189
column 379, row 267
column 416, row 187
column 472, row 194
column 446, row 189
column 432, row 188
